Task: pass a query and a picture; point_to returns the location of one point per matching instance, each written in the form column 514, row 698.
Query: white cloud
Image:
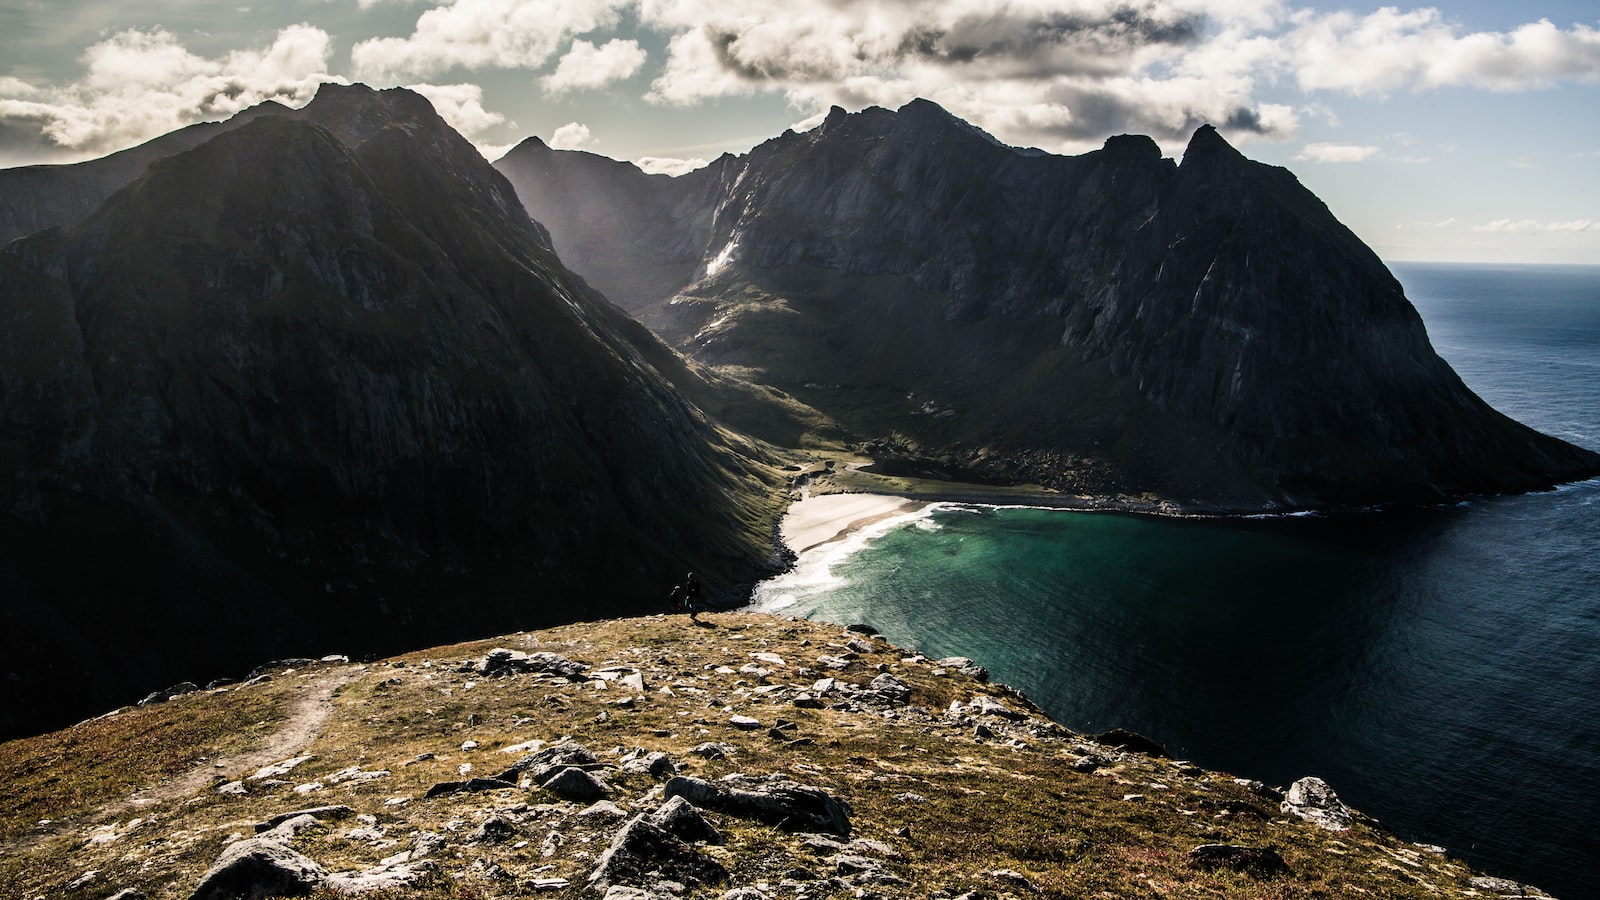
column 571, row 136
column 474, row 34
column 586, row 66
column 1336, row 153
column 667, row 165
column 141, row 84
column 461, row 105
column 1061, row 74
column 1523, row 226
column 1394, row 50
column 1438, row 223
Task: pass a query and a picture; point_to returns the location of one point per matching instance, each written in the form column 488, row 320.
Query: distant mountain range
column 1112, row 323
column 314, row 381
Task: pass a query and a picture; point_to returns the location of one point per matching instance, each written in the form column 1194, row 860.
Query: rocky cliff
column 301, row 382
column 746, row 758
column 1205, row 332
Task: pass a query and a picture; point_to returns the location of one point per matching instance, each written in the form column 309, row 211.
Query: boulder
column 1131, row 741
column 257, row 868
column 985, row 705
column 544, row 765
column 573, row 783
column 681, row 819
column 775, row 800
column 494, row 830
column 383, row 878
column 470, row 786
column 642, row 852
column 965, row 666
column 656, row 763
column 1312, row 799
column 1259, row 861
column 890, row 689
column 319, row 812
column 501, row 662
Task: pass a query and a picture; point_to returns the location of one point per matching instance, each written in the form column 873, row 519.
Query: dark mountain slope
column 287, row 394
column 1112, row 323
column 33, row 198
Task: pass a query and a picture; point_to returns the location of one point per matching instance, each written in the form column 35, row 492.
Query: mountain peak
column 1207, row 144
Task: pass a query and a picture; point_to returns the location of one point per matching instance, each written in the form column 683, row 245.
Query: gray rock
column 383, row 878
column 642, row 852
column 1260, row 861
column 680, row 818
column 501, row 662
column 656, row 763
column 426, row 843
column 1312, row 799
column 985, row 705
column 494, row 830
column 165, row 694
column 867, row 630
column 1505, row 887
column 603, row 809
column 546, row 763
column 1131, row 741
column 859, row 646
column 1013, row 878
column 891, row 689
column 965, row 666
column 128, row 894
column 775, row 800
column 256, row 868
column 714, row 750
column 573, row 783
column 470, row 786
column 321, row 812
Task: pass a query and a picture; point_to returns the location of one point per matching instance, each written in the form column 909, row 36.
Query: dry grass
column 979, row 805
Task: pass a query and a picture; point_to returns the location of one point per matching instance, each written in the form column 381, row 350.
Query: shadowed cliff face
column 305, row 389
column 1205, row 333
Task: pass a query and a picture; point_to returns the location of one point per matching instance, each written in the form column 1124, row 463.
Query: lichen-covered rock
column 257, row 868
column 643, row 852
column 776, row 800
column 681, row 819
column 1312, row 799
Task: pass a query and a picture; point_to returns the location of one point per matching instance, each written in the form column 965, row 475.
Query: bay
column 1439, row 667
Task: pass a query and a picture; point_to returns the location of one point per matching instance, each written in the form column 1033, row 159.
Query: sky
column 1468, row 131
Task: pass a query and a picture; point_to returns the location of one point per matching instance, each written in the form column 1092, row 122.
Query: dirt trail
column 302, row 723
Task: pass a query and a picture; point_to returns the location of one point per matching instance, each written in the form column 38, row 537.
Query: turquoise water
column 1441, row 668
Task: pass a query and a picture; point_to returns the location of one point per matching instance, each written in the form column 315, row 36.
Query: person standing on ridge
column 691, row 596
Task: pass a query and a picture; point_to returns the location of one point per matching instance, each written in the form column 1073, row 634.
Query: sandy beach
column 815, row 521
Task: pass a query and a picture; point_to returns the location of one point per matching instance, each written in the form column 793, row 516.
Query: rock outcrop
column 1205, row 333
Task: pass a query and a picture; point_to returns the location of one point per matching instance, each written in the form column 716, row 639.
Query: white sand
column 815, row 521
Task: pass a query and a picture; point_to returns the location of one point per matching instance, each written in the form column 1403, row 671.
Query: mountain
column 1205, row 334
column 319, row 381
column 33, row 198
column 897, row 776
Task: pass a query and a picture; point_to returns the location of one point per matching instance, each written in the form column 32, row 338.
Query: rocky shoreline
column 752, row 757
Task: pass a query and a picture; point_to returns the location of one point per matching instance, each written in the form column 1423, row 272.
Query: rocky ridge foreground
column 749, row 757
column 1205, row 333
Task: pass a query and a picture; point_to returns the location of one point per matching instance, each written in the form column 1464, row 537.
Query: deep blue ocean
column 1439, row 668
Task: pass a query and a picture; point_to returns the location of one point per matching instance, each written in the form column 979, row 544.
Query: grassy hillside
column 943, row 800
